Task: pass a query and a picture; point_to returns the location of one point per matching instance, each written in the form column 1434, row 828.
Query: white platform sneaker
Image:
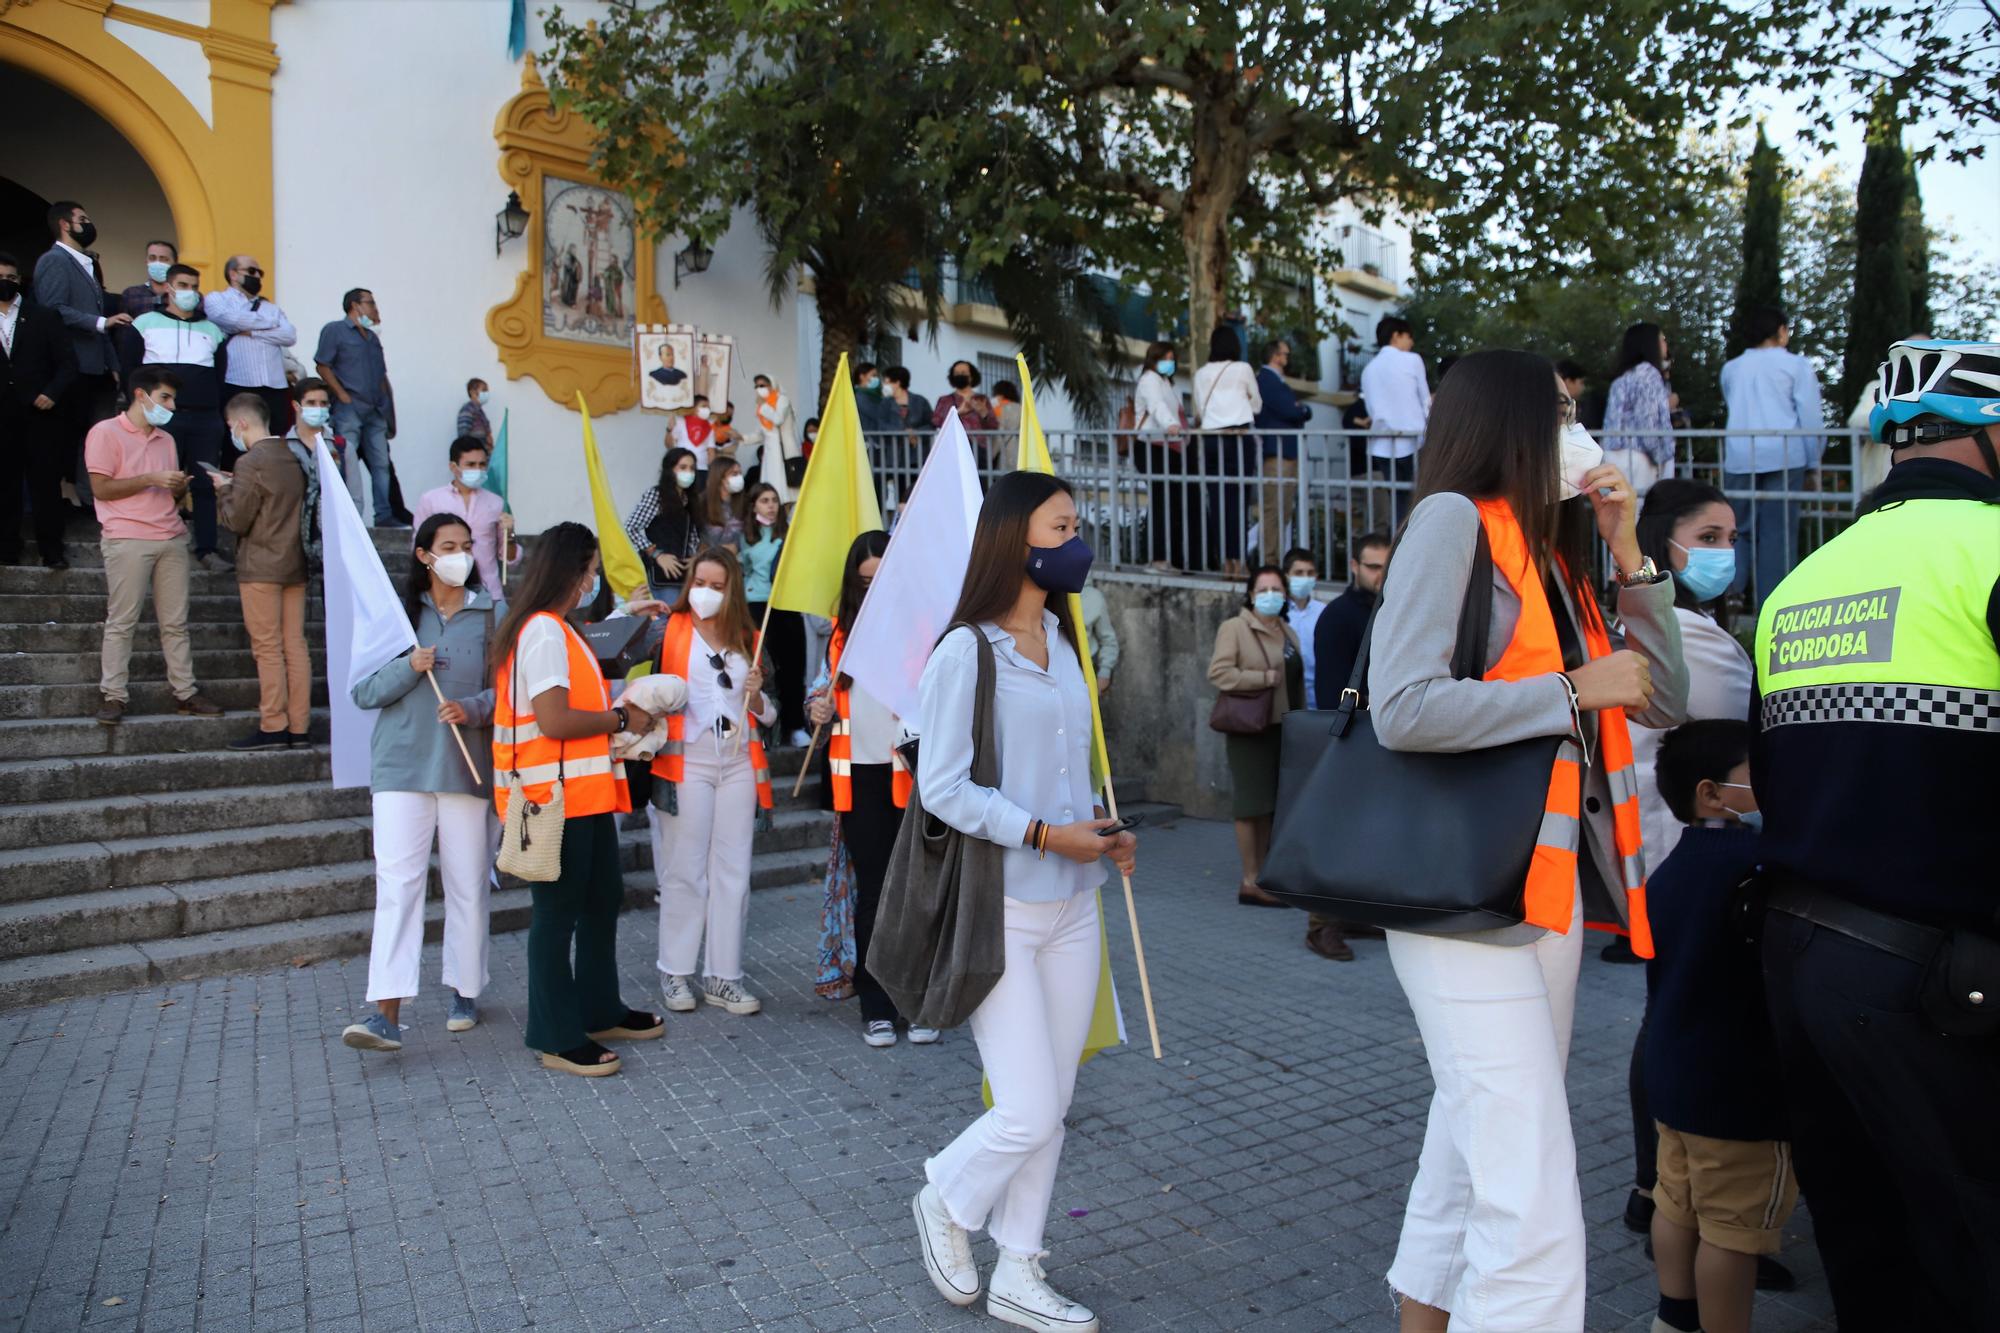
column 1020, row 1294
column 946, row 1247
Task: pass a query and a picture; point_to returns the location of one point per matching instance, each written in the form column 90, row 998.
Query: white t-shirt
column 1225, row 395
column 708, row 700
column 1398, row 394
column 541, row 660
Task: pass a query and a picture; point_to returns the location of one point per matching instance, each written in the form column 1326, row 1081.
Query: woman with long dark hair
column 1256, row 650
column 870, row 783
column 1161, row 425
column 665, row 525
column 1640, row 400
column 722, row 504
column 1227, row 401
column 1493, row 1231
column 764, row 530
column 553, row 722
column 720, row 777
column 1001, row 1172
column 423, row 791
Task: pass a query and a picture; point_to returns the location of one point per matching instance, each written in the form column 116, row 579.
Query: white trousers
column 701, row 858
column 1494, row 1227
column 467, row 834
column 1001, row 1172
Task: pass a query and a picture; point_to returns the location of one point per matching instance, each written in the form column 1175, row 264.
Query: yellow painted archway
column 217, row 180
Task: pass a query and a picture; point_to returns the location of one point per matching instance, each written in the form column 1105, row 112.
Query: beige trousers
column 132, row 567
column 275, row 615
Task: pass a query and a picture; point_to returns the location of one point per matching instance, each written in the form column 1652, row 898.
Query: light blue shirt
column 760, row 566
column 1777, row 390
column 1041, row 722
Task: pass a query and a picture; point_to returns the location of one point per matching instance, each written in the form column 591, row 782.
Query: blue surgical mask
column 1060, row 568
column 590, row 593
column 156, row 271
column 1710, row 569
column 365, row 322
column 1301, row 586
column 1166, row 367
column 315, row 417
column 472, row 477
column 482, row 396
column 1749, row 819
column 1268, row 602
column 157, row 415
column 186, row 301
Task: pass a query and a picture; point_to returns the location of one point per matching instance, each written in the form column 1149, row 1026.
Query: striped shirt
column 258, row 333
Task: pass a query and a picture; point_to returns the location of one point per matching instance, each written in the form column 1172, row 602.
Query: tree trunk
column 843, row 328
column 1219, row 168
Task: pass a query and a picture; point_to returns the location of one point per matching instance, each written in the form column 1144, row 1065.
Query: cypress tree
column 1880, row 310
column 1760, row 283
column 1917, row 253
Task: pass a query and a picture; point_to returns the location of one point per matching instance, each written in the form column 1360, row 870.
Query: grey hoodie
column 412, row 750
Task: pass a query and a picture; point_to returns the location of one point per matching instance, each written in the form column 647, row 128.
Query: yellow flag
column 837, row 503
column 619, row 562
column 1106, row 1025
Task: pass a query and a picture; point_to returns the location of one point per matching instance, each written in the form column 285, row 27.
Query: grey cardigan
column 1418, row 706
column 412, row 750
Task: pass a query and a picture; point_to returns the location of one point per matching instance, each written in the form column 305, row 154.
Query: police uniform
column 1877, row 768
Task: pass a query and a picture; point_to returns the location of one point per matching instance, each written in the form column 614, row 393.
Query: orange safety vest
column 592, row 784
column 671, row 763
column 1535, row 650
column 840, row 746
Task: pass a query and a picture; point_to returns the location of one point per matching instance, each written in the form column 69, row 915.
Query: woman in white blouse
column 1161, row 424
column 1000, row 1172
column 1226, row 402
column 701, row 846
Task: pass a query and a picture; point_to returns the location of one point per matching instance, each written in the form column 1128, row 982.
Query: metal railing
column 1216, row 503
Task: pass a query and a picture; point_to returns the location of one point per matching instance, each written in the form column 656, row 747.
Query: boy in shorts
column 1725, row 1186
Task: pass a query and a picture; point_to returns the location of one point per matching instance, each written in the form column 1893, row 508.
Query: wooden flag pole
column 805, row 764
column 1138, row 947
column 457, row 735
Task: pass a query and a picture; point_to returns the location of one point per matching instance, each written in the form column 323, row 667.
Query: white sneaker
column 924, row 1036
column 946, row 1248
column 678, row 993
column 879, row 1033
column 800, row 739
column 1020, row 1294
column 729, row 995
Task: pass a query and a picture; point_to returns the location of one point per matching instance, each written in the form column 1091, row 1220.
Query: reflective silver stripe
column 1559, row 831
column 841, row 727
column 1624, row 784
column 841, row 767
column 1948, row 706
column 1634, row 869
column 588, row 767
column 761, row 776
column 517, row 733
column 674, row 747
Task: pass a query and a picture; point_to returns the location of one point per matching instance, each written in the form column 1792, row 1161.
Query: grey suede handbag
column 940, row 930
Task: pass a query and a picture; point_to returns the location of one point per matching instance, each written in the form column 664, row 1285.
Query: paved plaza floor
column 209, row 1156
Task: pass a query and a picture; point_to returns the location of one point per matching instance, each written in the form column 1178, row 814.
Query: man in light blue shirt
column 1775, row 389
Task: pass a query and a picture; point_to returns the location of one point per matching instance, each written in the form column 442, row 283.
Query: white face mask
column 705, row 601
column 453, row 569
column 701, row 412
column 1579, row 454
column 683, row 479
column 733, row 483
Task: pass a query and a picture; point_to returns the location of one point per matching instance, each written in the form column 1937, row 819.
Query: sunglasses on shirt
column 721, row 671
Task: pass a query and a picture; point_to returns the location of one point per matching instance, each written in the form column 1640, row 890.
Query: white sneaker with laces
column 946, row 1248
column 924, row 1036
column 678, row 994
column 1020, row 1294
column 729, row 995
column 879, row 1033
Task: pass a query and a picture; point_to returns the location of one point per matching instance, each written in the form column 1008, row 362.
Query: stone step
column 99, row 778
column 58, row 869
column 157, row 733
column 86, row 667
column 88, row 608
column 22, row 580
column 82, row 551
column 96, row 969
column 77, row 637
column 148, row 696
column 105, row 819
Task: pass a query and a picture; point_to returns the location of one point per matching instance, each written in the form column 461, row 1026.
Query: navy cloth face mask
column 1060, row 568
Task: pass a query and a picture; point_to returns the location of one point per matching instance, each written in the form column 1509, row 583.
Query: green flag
column 496, row 466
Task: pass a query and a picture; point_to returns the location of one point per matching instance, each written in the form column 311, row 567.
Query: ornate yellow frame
column 537, row 140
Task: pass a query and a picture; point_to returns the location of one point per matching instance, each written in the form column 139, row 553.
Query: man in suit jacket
column 66, row 282
column 37, row 367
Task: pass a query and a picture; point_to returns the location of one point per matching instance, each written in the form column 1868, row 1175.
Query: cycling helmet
column 1931, row 388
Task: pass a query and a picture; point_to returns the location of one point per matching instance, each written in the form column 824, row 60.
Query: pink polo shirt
column 116, row 448
column 482, row 515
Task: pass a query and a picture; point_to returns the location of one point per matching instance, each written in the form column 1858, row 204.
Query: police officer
column 1877, row 767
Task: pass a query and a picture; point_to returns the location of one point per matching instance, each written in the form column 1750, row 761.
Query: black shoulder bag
column 1433, row 843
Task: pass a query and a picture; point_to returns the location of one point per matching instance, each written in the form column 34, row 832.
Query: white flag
column 916, row 589
column 366, row 626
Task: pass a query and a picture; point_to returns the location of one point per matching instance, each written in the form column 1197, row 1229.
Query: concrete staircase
column 148, row 853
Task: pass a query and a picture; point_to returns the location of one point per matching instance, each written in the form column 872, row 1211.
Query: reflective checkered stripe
column 670, row 764
column 1907, row 705
column 592, row 784
column 840, row 740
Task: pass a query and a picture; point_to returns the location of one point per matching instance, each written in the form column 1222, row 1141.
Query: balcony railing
column 1368, row 250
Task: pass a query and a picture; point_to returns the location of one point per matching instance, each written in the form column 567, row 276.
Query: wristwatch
column 1645, row 576
column 624, row 719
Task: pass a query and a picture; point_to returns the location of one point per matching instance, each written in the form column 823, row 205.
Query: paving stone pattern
column 209, row 1156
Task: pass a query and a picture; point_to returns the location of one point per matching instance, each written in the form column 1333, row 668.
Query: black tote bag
column 1433, row 843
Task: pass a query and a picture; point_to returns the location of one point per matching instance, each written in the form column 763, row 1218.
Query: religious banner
column 667, row 365
column 588, row 262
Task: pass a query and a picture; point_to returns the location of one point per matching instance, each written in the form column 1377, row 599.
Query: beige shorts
column 1737, row 1193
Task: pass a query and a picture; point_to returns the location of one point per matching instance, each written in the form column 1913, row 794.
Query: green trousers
column 579, row 909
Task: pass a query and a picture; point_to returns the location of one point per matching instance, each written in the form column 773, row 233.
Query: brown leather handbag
column 1244, row 714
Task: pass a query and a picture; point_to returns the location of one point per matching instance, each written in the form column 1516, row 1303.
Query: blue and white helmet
column 1945, row 381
